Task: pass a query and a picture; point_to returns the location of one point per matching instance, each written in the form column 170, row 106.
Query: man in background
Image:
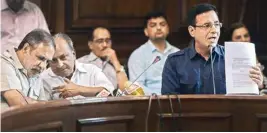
column 156, row 29
column 18, row 18
column 103, row 56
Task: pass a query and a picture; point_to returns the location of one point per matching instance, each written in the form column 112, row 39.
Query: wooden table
column 192, row 113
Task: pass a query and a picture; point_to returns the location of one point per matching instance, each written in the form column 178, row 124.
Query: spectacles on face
column 208, row 26
column 102, row 40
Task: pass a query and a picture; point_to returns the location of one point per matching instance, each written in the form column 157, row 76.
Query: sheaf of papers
column 239, row 58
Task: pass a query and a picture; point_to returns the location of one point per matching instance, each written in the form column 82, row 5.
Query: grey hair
column 66, row 38
column 36, row 37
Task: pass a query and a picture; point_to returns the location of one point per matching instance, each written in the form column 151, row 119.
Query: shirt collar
column 193, row 51
column 4, row 6
column 92, row 57
column 78, row 67
column 152, row 47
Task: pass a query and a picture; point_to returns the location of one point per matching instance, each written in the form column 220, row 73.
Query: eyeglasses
column 102, row 40
column 209, row 26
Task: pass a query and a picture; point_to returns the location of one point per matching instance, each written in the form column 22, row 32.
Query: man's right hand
column 111, row 54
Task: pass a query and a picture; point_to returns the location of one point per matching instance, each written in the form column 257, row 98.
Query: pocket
column 189, row 86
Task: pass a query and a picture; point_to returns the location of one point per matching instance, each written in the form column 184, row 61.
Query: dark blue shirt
column 187, row 72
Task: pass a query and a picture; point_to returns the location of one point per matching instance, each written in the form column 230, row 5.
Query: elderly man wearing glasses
column 189, row 70
column 103, row 56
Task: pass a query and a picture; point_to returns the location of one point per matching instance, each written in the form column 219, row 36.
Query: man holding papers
column 194, row 70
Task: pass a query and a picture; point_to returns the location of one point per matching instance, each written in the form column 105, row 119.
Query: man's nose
column 104, row 44
column 158, row 27
column 43, row 65
column 59, row 63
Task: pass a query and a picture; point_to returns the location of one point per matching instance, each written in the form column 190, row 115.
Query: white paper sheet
column 239, row 58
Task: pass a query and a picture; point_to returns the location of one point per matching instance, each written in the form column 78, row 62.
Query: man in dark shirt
column 189, row 71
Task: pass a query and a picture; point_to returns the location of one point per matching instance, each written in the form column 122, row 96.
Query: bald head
column 101, row 40
column 100, row 32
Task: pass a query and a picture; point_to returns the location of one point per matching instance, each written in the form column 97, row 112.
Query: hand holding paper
column 242, row 74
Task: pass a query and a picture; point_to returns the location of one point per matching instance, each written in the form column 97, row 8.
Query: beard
column 15, row 5
column 162, row 38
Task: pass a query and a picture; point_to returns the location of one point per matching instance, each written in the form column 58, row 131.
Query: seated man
column 157, row 30
column 103, row 56
column 69, row 78
column 189, row 70
column 21, row 66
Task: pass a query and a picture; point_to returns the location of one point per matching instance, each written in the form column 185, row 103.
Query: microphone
column 136, row 86
column 103, row 93
column 211, row 46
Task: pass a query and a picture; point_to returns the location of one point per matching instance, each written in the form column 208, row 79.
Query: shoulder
column 140, row 49
column 7, row 64
column 7, row 67
column 90, row 68
column 139, row 53
column 179, row 53
column 32, row 7
column 83, row 59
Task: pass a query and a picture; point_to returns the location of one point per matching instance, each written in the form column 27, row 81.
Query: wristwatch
column 120, row 70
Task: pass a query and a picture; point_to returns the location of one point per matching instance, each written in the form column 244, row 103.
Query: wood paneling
column 105, row 124
column 125, row 20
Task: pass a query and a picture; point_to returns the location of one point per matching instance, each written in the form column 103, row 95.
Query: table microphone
column 103, row 93
column 212, row 69
column 157, row 59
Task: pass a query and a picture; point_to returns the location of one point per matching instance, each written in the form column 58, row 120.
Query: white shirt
column 15, row 26
column 84, row 74
column 108, row 69
column 14, row 76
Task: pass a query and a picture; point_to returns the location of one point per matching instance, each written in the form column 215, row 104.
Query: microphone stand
column 212, row 70
column 157, row 59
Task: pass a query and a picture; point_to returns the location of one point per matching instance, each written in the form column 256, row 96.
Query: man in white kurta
column 84, row 75
column 67, row 78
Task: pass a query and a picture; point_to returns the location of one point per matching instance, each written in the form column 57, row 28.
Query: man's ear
column 90, row 45
column 26, row 48
column 191, row 31
column 145, row 31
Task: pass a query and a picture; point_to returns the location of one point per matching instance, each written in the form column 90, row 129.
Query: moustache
column 37, row 70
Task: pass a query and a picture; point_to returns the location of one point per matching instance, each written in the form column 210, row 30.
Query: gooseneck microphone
column 212, row 69
column 157, row 59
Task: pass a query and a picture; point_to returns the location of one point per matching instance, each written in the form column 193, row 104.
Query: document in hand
column 239, row 58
